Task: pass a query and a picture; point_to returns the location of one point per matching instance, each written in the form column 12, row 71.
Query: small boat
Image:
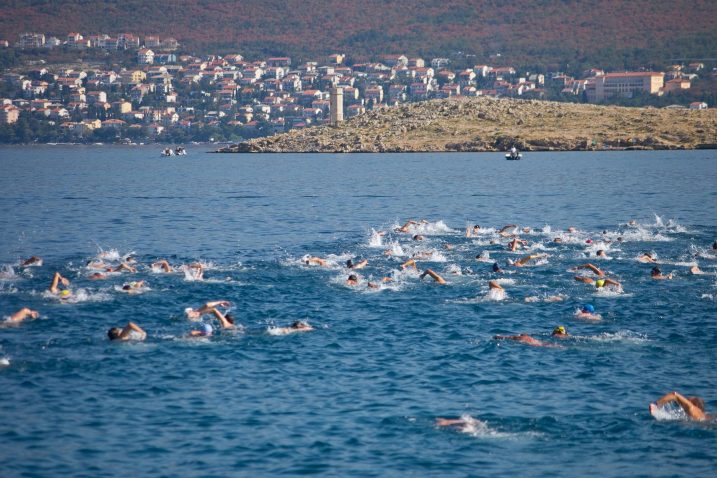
column 513, row 155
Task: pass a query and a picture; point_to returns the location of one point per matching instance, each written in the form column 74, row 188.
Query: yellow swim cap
column 600, row 283
column 559, row 330
column 65, row 293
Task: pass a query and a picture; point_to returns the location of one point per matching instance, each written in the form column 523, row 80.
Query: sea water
column 359, row 395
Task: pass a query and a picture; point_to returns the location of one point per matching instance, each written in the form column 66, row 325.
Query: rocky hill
column 487, row 124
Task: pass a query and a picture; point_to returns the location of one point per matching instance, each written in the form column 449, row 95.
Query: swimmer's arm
column 225, row 323
column 613, row 282
column 447, row 422
column 216, row 303
column 129, row 328
column 592, row 268
column 509, row 226
column 587, row 280
column 690, row 408
column 434, row 276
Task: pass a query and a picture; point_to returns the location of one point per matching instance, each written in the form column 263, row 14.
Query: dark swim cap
column 496, row 267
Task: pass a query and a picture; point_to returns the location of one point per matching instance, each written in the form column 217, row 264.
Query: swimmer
column 124, row 267
column 694, row 407
column 131, row 331
column 163, row 265
column 313, row 260
column 406, row 226
column 57, row 279
column 657, row 274
column 714, row 246
column 98, row 265
column 472, row 231
column 497, row 269
column 572, row 230
column 591, row 268
column 205, row 309
column 559, row 332
column 599, row 283
column 418, row 237
column 484, row 256
column 97, row 276
column 601, row 253
column 33, row 261
column 409, row 263
column 134, row 287
column 695, row 270
column 587, row 311
column 504, row 231
column 359, row 265
column 196, row 269
column 23, row 314
column 646, row 257
column 527, row 230
column 524, row 260
column 557, row 240
column 464, row 424
column 448, row 247
column 433, row 275
column 352, row 280
column 525, row 339
column 516, row 244
column 205, row 330
column 298, row 326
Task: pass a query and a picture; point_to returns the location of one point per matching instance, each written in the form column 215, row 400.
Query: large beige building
column 624, row 85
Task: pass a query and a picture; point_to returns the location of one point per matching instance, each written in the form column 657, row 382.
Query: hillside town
column 169, row 96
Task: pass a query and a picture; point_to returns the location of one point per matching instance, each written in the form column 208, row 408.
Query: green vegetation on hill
column 555, row 34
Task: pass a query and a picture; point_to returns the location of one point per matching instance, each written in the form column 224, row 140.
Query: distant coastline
column 489, row 124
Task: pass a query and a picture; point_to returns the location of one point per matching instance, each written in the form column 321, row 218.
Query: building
column 145, row 56
column 31, row 40
column 625, row 85
column 9, row 114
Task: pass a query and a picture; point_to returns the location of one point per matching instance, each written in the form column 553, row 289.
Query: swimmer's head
column 560, row 330
column 65, row 293
column 496, row 267
column 600, row 283
column 589, row 241
column 601, row 253
column 656, row 271
column 349, row 263
column 352, row 277
column 418, row 237
column 114, row 333
column 588, row 309
column 714, row 246
column 476, row 227
column 230, row 318
column 126, row 287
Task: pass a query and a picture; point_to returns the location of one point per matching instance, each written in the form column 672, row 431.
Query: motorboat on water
column 513, row 154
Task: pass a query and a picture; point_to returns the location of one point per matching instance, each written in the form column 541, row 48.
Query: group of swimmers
column 587, row 273
column 60, row 287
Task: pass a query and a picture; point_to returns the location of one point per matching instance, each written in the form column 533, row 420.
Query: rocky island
column 490, row 124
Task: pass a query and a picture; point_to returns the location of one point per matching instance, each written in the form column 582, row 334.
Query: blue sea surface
column 360, row 394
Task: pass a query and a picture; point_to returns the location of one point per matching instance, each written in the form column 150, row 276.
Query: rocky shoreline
column 489, row 124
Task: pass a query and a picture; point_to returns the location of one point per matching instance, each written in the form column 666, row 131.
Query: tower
column 337, row 106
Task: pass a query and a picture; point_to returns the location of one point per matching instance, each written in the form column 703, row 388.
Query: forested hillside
column 564, row 33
